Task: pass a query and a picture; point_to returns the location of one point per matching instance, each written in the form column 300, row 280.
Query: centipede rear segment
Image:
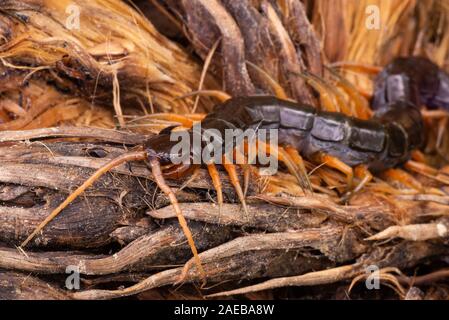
column 90, row 139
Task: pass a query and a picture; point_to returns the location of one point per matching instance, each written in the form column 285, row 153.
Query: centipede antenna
column 132, row 156
column 160, row 181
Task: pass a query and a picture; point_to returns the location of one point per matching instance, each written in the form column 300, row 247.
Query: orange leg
column 4, row 116
column 157, row 174
column 427, row 171
column 384, row 187
column 420, row 168
column 215, row 176
column 326, row 100
column 172, row 117
column 242, row 160
column 442, row 125
column 285, row 158
column 337, row 164
column 196, row 116
column 246, row 177
column 362, row 109
column 330, row 177
column 404, row 178
column 434, row 114
column 299, row 161
column 363, row 174
column 343, row 105
column 340, row 100
column 233, row 177
column 9, row 105
column 220, row 95
column 418, row 156
column 185, row 119
column 134, row 156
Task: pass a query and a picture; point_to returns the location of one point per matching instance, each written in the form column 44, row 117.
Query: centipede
column 356, row 147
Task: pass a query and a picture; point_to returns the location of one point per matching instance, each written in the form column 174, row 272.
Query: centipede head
column 163, row 149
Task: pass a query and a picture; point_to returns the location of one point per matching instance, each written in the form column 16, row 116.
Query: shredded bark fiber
column 71, row 100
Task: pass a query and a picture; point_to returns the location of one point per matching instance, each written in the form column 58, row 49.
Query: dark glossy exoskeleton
column 415, row 80
column 380, row 143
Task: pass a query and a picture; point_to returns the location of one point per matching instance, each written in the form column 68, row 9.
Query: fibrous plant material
column 104, row 51
column 122, row 235
column 372, row 32
column 265, row 34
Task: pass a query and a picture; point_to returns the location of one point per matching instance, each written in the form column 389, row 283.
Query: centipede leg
column 233, row 177
column 326, row 100
column 285, row 158
column 403, row 177
column 363, row 174
column 282, row 155
column 362, row 109
column 337, row 164
column 218, row 94
column 172, row 117
column 215, row 176
column 418, row 156
column 246, row 177
column 427, row 171
column 242, row 160
column 340, row 101
column 421, row 168
column 133, row 156
column 299, row 161
column 159, row 179
column 442, row 125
